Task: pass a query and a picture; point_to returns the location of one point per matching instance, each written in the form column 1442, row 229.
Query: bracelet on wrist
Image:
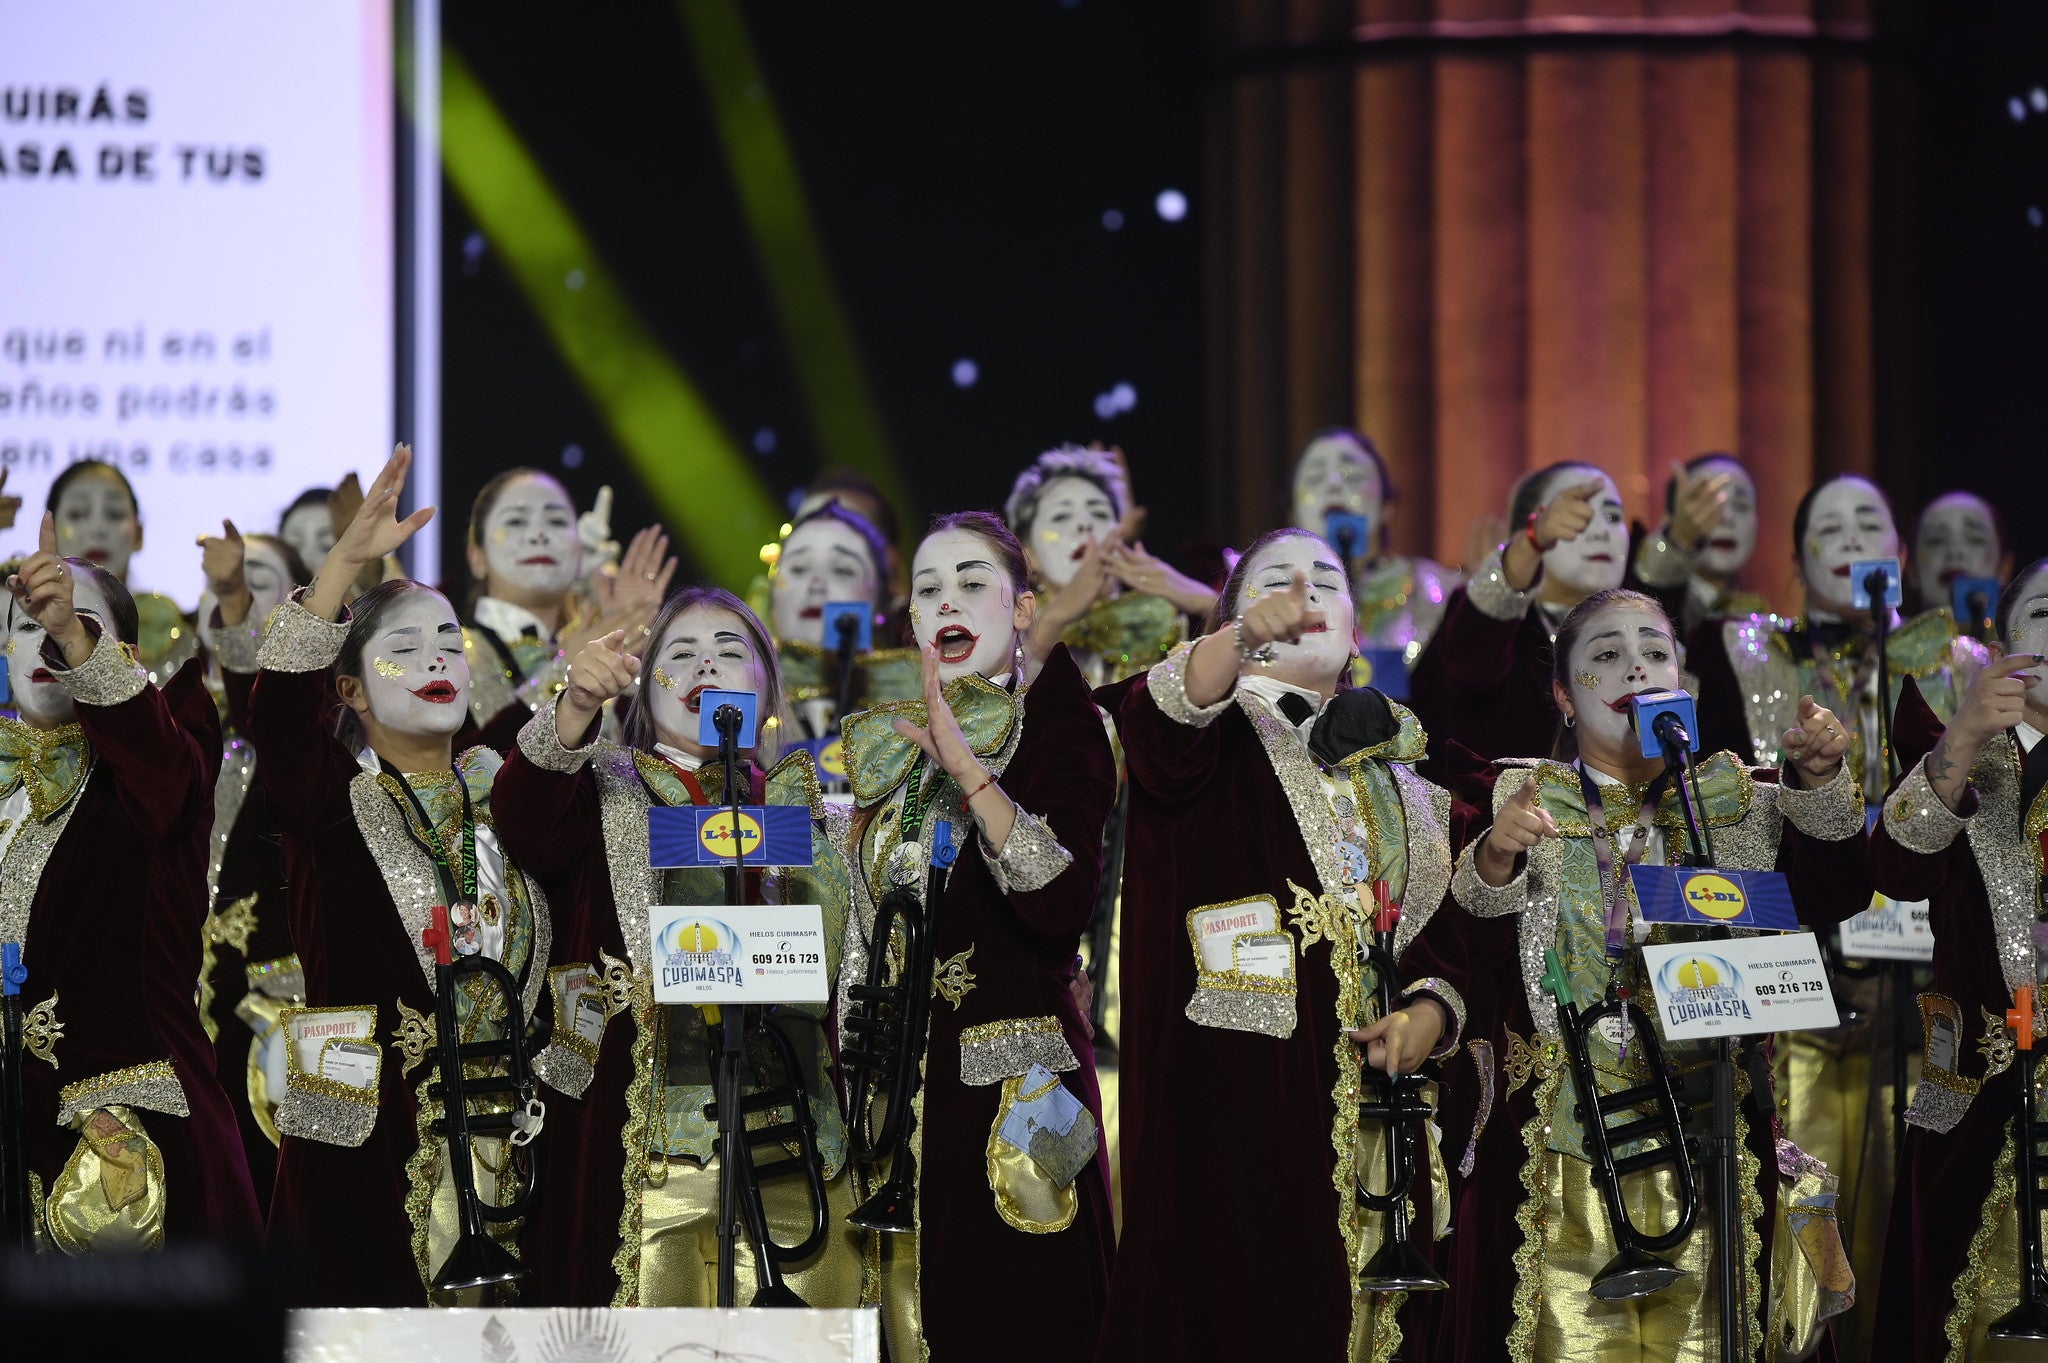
column 1262, row 655
column 1529, row 529
column 989, row 781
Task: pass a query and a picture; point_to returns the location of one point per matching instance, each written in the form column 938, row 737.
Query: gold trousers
column 679, row 1240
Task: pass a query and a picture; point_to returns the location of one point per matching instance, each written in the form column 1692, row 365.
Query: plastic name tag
column 1889, row 931
column 702, row 835
column 1713, row 898
column 760, row 953
column 1741, row 987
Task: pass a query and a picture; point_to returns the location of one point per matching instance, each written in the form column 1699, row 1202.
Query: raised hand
column 1521, row 824
column 1279, row 615
column 1399, row 1042
column 371, row 533
column 944, row 742
column 1996, row 700
column 629, row 597
column 43, row 585
column 221, row 558
column 1697, row 504
column 1142, row 572
column 1817, row 745
column 1567, row 517
column 594, row 532
column 600, row 670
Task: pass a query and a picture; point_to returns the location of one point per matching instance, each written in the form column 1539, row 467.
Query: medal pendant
column 905, row 863
column 465, row 928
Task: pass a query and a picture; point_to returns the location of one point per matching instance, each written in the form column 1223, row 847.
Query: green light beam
column 702, row 484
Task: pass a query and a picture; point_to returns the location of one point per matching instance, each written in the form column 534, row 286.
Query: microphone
column 1664, row 723
column 728, row 719
column 848, row 629
column 1347, row 532
column 1874, row 584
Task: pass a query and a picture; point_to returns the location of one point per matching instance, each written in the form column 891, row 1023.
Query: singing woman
column 127, row 1137
column 354, row 720
column 634, row 1222
column 1531, row 1228
column 1009, row 1258
column 1963, row 830
column 834, row 554
column 248, row 971
column 525, row 620
column 99, row 520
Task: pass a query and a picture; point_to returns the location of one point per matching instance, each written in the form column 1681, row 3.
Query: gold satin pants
column 679, row 1240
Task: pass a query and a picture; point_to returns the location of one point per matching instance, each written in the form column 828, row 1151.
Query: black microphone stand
column 848, row 630
column 1878, row 584
column 732, row 1034
column 1722, row 1143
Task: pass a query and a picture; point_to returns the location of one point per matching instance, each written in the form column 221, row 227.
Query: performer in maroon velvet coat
column 628, row 1213
column 1264, row 801
column 526, row 551
column 1530, row 1227
column 248, row 971
column 1011, row 1252
column 372, row 843
column 1484, row 680
column 1963, row 829
column 103, row 819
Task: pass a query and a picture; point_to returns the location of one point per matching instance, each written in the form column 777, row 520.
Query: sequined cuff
column 1917, row 819
column 108, row 676
column 1453, row 1005
column 1488, row 590
column 1482, row 900
column 995, row 1051
column 154, row 1086
column 543, row 745
column 1031, row 859
column 1168, row 683
column 1660, row 563
column 237, row 645
column 1827, row 813
column 283, row 979
column 545, row 683
column 315, row 1109
column 300, row 641
column 565, row 1068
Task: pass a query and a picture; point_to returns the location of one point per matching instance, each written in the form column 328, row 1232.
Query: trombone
column 478, row 1260
column 887, row 1041
column 1637, row 1270
column 1398, row 1266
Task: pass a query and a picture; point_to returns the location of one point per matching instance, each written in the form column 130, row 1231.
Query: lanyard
column 1612, row 879
column 459, row 886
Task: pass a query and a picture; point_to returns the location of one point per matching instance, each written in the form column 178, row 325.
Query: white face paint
column 1730, row 543
column 2029, row 630
column 704, row 648
column 822, row 560
column 1957, row 538
column 96, row 521
column 961, row 599
column 270, row 581
column 530, row 541
column 1849, row 521
column 1335, row 474
column 1072, row 514
column 42, row 703
column 414, row 671
column 1598, row 558
column 310, row 531
column 1318, row 660
column 1623, row 651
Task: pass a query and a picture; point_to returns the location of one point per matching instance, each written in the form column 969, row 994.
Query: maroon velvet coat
column 990, row 1293
column 1828, row 886
column 1231, row 1243
column 550, row 821
column 340, row 1211
column 113, row 931
column 251, row 863
column 1943, row 1179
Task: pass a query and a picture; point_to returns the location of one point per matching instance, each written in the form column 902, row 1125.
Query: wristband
column 1262, row 655
column 979, row 789
column 1530, row 530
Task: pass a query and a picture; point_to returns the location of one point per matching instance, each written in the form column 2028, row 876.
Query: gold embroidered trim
column 413, row 1038
column 40, row 1031
column 1526, row 1058
column 994, row 1051
column 1970, row 1283
column 952, row 980
column 154, row 1086
column 635, row 1136
column 1998, row 1046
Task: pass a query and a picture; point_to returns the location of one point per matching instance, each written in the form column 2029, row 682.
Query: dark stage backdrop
column 956, row 163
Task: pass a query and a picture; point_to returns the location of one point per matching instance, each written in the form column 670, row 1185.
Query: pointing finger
column 46, row 537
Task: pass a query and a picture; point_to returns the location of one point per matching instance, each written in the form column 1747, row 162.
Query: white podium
column 568, row 1335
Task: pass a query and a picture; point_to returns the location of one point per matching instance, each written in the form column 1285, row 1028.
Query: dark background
column 958, row 161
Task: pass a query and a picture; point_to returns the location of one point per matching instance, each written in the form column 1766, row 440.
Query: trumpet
column 887, row 1041
column 479, row 1261
column 1398, row 1266
column 2028, row 1320
column 800, row 1131
column 17, row 1210
column 1636, row 1269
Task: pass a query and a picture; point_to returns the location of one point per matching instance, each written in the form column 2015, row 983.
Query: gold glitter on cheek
column 1589, row 680
column 386, row 668
column 916, row 614
column 1049, row 536
column 663, row 679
